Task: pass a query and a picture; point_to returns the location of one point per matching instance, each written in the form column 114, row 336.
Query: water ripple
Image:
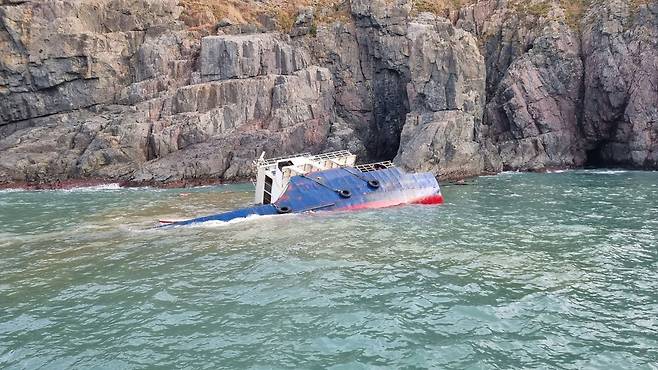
column 515, row 271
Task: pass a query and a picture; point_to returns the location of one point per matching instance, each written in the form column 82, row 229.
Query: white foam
column 114, row 186
column 608, row 172
column 11, row 190
column 103, row 187
column 214, row 224
column 503, row 173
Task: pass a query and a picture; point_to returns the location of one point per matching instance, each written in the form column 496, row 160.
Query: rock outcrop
column 123, row 90
column 446, row 99
column 245, row 56
column 64, row 56
column 217, row 129
column 533, row 115
column 416, row 88
column 71, row 71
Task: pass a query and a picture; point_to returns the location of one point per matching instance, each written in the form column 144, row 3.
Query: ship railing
column 316, row 157
column 369, row 167
column 333, row 155
column 271, row 161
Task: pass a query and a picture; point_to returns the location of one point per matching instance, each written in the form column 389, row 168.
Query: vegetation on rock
column 207, row 12
column 439, row 7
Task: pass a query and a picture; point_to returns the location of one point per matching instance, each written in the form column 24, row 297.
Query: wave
column 113, row 186
column 511, row 173
column 607, row 172
column 11, row 190
column 503, row 173
column 214, row 224
column 103, row 187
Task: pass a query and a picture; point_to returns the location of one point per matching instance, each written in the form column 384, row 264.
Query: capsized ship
column 329, row 182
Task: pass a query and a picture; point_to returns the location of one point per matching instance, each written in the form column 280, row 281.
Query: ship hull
column 342, row 189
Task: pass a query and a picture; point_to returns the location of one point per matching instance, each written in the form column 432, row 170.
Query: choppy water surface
column 516, row 270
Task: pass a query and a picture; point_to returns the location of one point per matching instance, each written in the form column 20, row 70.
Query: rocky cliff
column 125, row 90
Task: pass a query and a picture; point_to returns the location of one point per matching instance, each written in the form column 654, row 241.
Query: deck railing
column 270, row 161
column 332, row 155
column 321, row 156
column 374, row 166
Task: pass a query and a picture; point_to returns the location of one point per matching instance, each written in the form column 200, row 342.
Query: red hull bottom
column 434, row 199
column 431, row 200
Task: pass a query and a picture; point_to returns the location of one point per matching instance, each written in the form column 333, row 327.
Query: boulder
column 303, row 23
column 441, row 142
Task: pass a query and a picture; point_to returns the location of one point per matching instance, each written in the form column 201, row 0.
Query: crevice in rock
column 41, row 117
column 386, row 79
column 595, row 157
column 582, row 92
column 390, row 111
column 150, row 149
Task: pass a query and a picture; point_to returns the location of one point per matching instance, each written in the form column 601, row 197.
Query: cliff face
column 568, row 95
column 620, row 105
column 119, row 89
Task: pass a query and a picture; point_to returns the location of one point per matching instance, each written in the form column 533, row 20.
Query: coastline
column 68, row 184
column 85, row 183
column 191, row 183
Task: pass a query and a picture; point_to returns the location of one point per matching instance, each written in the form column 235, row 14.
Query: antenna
column 260, row 159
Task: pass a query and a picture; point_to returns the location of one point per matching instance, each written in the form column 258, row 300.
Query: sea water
column 517, row 270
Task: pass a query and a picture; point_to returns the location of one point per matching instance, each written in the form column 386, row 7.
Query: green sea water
column 517, row 270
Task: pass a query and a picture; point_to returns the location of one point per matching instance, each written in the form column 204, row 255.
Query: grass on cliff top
column 237, row 11
column 284, row 12
column 439, row 7
column 251, row 11
column 574, row 10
